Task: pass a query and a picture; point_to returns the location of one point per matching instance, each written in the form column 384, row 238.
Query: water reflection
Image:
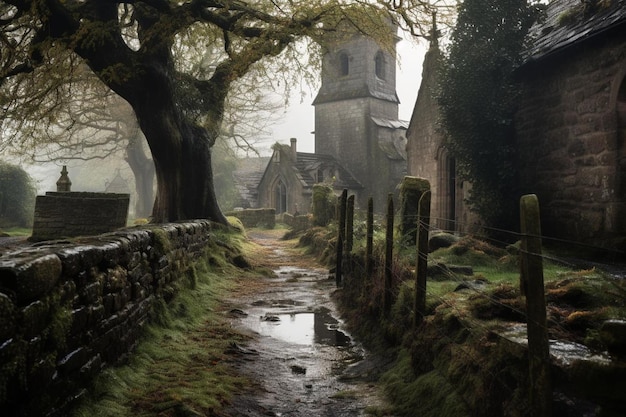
column 304, row 328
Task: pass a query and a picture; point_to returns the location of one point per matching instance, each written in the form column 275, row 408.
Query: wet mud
column 301, row 360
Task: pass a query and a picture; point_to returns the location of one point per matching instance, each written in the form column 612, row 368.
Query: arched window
column 280, row 196
column 320, row 175
column 344, row 64
column 379, row 61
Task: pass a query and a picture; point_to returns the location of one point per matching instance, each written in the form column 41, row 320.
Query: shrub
column 17, row 196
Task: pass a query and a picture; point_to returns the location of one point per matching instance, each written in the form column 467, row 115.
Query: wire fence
column 509, row 300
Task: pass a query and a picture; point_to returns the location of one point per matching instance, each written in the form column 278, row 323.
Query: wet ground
column 301, row 359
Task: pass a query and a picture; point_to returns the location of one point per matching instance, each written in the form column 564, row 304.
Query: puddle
column 302, row 353
column 302, row 328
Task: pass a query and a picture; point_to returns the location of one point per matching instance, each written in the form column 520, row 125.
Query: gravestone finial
column 64, row 184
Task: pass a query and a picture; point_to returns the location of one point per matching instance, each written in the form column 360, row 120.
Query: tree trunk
column 182, row 160
column 143, row 171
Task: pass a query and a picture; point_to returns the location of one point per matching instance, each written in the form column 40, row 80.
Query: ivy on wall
column 478, row 98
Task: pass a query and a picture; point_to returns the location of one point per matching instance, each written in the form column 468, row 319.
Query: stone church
column 570, row 126
column 359, row 142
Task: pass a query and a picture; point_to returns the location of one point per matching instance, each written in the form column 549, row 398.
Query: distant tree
column 478, row 98
column 17, row 197
column 141, row 49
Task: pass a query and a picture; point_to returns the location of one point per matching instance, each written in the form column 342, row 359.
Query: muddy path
column 300, row 359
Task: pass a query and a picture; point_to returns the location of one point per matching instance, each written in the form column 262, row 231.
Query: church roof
column 329, row 95
column 309, row 163
column 569, row 22
column 247, row 177
column 390, row 124
column 117, row 185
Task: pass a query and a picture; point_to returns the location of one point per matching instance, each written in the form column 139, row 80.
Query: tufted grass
column 179, row 367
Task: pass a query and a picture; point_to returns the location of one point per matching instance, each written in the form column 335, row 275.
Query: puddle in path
column 302, row 351
column 301, row 328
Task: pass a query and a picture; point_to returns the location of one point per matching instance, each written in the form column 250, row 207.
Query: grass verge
column 179, row 367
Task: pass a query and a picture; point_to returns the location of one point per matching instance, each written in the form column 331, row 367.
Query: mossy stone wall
column 67, row 309
column 263, row 217
column 68, row 214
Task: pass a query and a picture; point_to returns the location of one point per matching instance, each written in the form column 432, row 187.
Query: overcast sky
column 299, row 120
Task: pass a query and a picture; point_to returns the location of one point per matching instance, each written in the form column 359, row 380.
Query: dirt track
column 300, row 358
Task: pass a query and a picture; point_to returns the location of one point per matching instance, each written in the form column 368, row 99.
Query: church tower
column 356, row 116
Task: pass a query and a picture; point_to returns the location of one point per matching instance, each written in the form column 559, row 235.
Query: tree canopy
column 175, row 63
column 478, row 98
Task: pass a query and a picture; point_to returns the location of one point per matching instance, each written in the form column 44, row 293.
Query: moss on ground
column 454, row 363
column 180, row 366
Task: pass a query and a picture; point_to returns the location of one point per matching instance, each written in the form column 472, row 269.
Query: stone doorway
column 448, row 192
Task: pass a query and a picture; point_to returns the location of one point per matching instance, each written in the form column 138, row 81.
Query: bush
column 17, row 197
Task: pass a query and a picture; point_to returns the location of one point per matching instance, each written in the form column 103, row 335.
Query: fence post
column 349, row 224
column 369, row 246
column 369, row 249
column 347, row 250
column 421, row 270
column 540, row 389
column 387, row 299
column 340, row 235
column 411, row 190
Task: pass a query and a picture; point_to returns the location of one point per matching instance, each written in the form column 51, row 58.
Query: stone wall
column 569, row 139
column 263, row 217
column 297, row 223
column 69, row 309
column 68, row 214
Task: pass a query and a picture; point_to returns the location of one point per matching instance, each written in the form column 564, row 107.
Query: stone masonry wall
column 567, row 135
column 67, row 214
column 264, row 217
column 69, row 309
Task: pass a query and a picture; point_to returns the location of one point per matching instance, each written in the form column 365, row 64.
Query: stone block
column 30, row 277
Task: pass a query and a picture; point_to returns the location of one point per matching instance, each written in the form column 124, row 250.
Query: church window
column 379, row 62
column 280, row 196
column 344, row 64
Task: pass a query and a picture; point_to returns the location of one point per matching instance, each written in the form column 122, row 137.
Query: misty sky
column 299, row 117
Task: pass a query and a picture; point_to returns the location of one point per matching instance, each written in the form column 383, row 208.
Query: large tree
column 131, row 46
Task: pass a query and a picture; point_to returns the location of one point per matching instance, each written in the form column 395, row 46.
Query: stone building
column 570, row 126
column 287, row 183
column 359, row 142
column 356, row 117
column 427, row 156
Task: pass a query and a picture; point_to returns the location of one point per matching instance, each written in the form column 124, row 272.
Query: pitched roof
column 390, row 123
column 247, row 177
column 569, row 22
column 308, row 163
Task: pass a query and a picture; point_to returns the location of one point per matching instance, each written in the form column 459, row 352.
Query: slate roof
column 390, row 124
column 308, row 163
column 393, row 147
column 247, row 177
column 568, row 22
column 328, row 95
column 117, row 185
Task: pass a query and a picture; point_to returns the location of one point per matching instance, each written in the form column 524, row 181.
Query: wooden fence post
column 347, row 250
column 349, row 224
column 369, row 240
column 423, row 226
column 340, row 235
column 532, row 283
column 387, row 299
